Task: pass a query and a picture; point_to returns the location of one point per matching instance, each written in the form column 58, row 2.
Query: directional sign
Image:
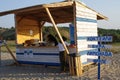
column 100, row 38
column 99, row 53
column 99, row 46
column 98, row 61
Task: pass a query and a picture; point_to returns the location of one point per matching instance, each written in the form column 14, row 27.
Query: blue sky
column 109, row 8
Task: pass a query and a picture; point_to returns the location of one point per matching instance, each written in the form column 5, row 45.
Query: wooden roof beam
column 38, row 7
column 100, row 17
column 35, row 17
column 20, row 10
column 20, row 19
column 59, row 4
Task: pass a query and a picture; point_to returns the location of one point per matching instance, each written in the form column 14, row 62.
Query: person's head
column 64, row 38
column 51, row 38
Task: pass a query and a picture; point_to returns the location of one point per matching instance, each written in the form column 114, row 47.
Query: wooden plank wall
column 86, row 24
column 23, row 27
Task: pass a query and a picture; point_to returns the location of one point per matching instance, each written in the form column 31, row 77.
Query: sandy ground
column 109, row 71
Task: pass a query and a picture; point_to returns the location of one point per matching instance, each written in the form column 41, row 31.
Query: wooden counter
column 45, row 55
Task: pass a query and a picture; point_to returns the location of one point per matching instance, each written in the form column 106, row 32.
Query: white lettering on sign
column 99, row 53
column 99, row 46
column 102, row 38
column 98, row 61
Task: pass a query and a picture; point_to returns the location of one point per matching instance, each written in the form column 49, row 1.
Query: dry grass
column 115, row 48
column 11, row 45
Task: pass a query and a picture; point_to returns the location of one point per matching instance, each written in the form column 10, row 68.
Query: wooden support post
column 72, row 66
column 77, row 59
column 11, row 53
column 40, row 25
column 53, row 22
column 78, row 69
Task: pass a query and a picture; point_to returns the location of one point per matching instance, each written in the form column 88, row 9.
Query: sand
column 109, row 71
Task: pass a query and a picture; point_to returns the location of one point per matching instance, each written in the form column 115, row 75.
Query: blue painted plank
column 39, row 63
column 50, row 54
column 86, row 20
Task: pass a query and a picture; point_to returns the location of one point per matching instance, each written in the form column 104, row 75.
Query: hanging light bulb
column 31, row 32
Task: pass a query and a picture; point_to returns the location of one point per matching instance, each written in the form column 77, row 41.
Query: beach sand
column 109, row 71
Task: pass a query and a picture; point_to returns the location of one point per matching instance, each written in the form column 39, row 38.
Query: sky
column 109, row 8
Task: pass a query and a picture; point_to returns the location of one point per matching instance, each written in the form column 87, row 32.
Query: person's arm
column 67, row 44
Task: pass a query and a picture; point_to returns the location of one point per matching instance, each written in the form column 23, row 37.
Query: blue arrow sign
column 99, row 53
column 100, row 38
column 98, row 61
column 99, row 46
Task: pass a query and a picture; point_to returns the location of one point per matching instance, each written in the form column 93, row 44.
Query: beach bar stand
column 29, row 23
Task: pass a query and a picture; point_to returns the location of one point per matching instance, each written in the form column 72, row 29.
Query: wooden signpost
column 99, row 52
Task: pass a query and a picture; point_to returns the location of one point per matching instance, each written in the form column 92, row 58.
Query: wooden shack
column 29, row 22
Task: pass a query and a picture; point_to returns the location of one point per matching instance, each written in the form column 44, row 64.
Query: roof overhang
column 62, row 12
column 99, row 16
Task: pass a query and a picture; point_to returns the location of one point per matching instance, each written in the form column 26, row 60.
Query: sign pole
column 99, row 62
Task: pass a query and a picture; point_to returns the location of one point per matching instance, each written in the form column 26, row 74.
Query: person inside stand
column 63, row 55
column 51, row 40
